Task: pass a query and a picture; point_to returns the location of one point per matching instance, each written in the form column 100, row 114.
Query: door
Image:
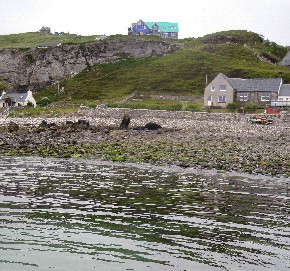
column 209, row 101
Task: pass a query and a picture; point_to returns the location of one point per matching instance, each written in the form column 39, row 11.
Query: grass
column 32, row 39
column 172, row 105
column 43, row 112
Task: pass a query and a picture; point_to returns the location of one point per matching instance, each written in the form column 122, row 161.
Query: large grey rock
column 38, row 68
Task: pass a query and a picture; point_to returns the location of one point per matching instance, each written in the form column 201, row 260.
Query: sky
column 269, row 18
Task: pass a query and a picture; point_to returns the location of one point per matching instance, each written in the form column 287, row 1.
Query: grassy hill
column 234, row 53
column 32, row 39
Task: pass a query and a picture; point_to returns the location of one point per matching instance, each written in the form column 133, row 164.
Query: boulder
column 125, row 122
column 152, row 126
column 12, row 127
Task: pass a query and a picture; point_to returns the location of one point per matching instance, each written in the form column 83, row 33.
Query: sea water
column 83, row 215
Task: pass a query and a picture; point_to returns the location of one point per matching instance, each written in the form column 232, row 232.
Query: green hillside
column 182, row 73
column 234, row 53
column 32, row 39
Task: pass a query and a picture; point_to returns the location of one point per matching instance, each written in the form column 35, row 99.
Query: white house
column 14, row 99
column 283, row 97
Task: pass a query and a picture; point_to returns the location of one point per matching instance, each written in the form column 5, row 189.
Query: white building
column 15, row 99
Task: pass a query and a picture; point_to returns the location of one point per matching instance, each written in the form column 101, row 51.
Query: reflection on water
column 85, row 215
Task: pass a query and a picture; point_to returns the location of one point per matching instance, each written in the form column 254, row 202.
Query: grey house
column 286, row 60
column 45, row 30
column 223, row 90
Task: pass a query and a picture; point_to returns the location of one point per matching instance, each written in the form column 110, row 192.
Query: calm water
column 80, row 215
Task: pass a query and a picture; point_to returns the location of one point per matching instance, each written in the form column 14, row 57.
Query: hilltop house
column 45, row 30
column 286, row 60
column 17, row 99
column 162, row 29
column 223, row 90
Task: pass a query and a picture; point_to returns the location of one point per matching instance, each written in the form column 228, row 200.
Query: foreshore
column 223, row 142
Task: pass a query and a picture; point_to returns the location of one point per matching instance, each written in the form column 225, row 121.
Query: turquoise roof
column 164, row 26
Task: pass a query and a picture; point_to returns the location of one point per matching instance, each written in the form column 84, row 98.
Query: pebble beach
column 217, row 141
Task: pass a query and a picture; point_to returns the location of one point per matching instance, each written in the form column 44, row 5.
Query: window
column 280, row 99
column 265, row 97
column 223, row 87
column 243, row 97
column 212, row 88
column 209, row 99
column 222, row 99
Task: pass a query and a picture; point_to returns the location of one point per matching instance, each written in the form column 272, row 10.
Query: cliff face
column 39, row 68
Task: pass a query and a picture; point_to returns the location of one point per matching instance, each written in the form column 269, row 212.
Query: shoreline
column 224, row 142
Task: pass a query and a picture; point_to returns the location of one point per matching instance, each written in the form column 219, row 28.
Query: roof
column 17, row 97
column 286, row 60
column 44, row 28
column 285, row 90
column 164, row 26
column 255, row 84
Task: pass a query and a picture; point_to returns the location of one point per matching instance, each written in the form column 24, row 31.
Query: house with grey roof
column 283, row 97
column 286, row 60
column 15, row 99
column 45, row 30
column 224, row 90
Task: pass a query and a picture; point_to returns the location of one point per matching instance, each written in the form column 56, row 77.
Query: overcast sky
column 269, row 18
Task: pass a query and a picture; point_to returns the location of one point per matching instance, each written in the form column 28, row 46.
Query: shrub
column 232, row 107
column 251, row 108
column 44, row 102
column 30, row 104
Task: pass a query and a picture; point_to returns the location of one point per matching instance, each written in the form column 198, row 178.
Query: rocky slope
column 38, row 68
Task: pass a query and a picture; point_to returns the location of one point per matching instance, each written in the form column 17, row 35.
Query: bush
column 30, row 104
column 251, row 108
column 44, row 102
column 232, row 107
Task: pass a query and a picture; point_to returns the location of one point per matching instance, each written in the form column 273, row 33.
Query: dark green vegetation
column 234, row 53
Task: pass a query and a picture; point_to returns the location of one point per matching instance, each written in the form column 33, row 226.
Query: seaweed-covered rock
column 125, row 122
column 152, row 126
column 12, row 127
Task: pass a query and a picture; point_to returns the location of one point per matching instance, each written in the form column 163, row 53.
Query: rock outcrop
column 24, row 69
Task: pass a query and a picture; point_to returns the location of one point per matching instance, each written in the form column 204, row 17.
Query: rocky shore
column 224, row 142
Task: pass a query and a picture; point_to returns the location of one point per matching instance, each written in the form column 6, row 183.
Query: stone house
column 45, row 30
column 17, row 99
column 224, row 90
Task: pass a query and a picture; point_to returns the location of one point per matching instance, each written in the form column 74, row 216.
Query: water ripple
column 79, row 215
